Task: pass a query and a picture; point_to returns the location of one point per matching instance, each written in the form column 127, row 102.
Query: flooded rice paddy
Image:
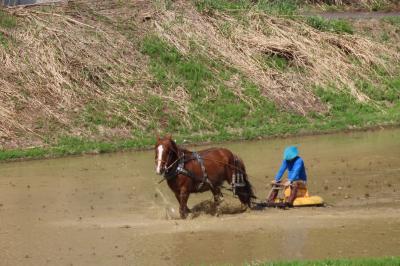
column 109, row 209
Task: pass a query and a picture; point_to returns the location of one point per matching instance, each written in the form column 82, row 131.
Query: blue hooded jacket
column 296, row 170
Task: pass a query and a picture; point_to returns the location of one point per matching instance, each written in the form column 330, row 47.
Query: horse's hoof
column 217, row 212
column 184, row 215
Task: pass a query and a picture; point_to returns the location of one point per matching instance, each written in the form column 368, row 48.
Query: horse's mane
column 184, row 150
column 178, row 148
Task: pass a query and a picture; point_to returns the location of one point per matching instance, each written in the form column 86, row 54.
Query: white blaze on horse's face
column 160, row 150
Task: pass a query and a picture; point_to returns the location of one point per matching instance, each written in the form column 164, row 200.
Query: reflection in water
column 293, row 242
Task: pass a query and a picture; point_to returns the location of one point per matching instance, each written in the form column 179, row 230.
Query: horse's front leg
column 178, row 197
column 183, row 208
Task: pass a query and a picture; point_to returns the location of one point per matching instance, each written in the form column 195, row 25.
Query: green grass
column 389, row 91
column 378, row 5
column 3, row 40
column 333, row 25
column 279, row 7
column 288, row 7
column 95, row 114
column 74, row 146
column 213, row 106
column 225, row 112
column 346, row 112
column 391, row 261
column 342, row 103
column 276, row 61
column 395, row 21
column 288, row 124
column 7, row 21
column 170, row 68
column 275, row 7
column 355, row 6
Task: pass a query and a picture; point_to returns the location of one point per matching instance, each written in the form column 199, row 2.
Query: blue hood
column 290, row 153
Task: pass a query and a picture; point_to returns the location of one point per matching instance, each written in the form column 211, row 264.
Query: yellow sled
column 306, row 201
column 303, row 198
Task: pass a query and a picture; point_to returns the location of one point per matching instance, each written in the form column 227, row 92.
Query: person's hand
column 275, row 182
column 287, row 183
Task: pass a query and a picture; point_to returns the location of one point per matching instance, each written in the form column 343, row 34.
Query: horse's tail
column 241, row 184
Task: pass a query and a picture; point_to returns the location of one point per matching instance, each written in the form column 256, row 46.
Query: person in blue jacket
column 297, row 176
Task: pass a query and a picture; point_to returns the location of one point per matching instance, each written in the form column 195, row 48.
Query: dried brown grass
column 320, row 58
column 60, row 61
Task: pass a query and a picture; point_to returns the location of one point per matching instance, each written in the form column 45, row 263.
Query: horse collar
column 180, row 169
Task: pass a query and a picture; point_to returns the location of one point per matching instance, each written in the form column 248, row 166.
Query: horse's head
column 165, row 151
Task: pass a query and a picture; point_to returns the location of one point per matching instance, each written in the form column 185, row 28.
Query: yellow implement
column 308, row 201
column 302, row 199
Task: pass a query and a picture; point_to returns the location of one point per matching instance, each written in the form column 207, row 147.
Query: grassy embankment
column 357, row 5
column 392, row 261
column 230, row 79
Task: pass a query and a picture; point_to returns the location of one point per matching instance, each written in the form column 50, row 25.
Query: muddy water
column 109, row 210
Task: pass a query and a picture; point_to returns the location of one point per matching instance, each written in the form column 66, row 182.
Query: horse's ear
column 169, row 136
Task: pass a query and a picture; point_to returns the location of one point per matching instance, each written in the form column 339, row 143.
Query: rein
column 167, row 168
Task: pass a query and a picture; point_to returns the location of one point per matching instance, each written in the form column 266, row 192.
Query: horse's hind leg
column 218, row 198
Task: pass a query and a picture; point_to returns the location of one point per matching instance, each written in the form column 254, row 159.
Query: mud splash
column 109, row 210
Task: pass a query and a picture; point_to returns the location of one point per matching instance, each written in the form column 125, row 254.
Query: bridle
column 165, row 162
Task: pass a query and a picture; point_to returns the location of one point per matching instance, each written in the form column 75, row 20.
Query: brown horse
column 192, row 172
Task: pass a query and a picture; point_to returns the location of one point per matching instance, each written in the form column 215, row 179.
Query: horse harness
column 238, row 179
column 180, row 169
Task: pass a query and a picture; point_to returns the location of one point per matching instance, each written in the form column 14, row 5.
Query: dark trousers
column 294, row 187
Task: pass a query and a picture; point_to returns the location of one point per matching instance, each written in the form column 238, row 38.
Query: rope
column 233, row 195
column 236, row 197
